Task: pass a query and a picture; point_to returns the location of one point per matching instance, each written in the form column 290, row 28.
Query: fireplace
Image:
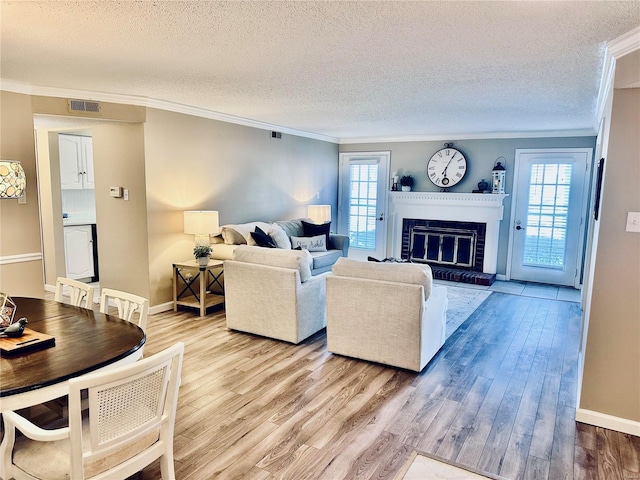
column 444, row 246
column 455, row 232
column 445, row 243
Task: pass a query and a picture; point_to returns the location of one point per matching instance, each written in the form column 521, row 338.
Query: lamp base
column 202, row 240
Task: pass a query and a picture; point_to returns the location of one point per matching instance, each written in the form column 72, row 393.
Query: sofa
column 389, row 313
column 271, row 292
column 287, row 235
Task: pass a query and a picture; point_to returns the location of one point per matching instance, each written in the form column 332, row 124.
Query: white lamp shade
column 12, row 179
column 319, row 213
column 201, row 222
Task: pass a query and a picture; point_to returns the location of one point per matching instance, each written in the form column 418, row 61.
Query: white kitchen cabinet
column 76, row 162
column 78, row 251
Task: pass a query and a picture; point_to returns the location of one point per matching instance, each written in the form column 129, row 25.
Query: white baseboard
column 501, row 277
column 163, row 307
column 608, row 421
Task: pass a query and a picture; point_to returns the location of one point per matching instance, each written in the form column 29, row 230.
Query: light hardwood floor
column 500, row 397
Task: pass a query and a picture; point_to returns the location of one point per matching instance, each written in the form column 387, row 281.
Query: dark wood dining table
column 85, row 341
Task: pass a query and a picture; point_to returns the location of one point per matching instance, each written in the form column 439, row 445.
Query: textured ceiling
column 340, row 69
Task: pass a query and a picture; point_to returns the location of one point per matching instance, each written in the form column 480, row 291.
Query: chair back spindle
column 127, row 305
column 80, row 294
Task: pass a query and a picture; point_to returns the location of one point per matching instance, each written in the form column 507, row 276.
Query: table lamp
column 319, row 214
column 201, row 223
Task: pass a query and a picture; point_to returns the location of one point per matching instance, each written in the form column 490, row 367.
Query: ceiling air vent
column 84, row 106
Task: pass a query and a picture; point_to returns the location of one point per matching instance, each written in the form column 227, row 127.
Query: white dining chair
column 80, row 294
column 132, row 308
column 128, row 306
column 128, row 425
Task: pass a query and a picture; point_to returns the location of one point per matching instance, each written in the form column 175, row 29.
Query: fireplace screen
column 444, row 246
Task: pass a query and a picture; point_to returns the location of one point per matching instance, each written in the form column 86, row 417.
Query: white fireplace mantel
column 460, row 207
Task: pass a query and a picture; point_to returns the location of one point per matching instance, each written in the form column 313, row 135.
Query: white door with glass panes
column 548, row 215
column 362, row 200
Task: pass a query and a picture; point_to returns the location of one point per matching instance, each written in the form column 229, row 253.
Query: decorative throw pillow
column 293, row 228
column 232, row 236
column 279, row 237
column 311, row 230
column 312, row 244
column 262, row 239
column 240, row 233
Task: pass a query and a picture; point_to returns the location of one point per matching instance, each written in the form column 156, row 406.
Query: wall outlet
column 633, row 222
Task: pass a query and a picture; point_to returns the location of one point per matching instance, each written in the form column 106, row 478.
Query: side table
column 185, row 275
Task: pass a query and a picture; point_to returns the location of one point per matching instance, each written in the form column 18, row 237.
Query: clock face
column 446, row 167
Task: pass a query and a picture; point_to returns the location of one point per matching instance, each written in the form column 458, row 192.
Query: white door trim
column 583, row 206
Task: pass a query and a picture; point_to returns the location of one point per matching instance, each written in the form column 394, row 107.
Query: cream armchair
column 389, row 313
column 271, row 292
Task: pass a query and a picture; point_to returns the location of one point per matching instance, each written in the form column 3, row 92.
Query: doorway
column 548, row 215
column 66, row 197
column 362, row 200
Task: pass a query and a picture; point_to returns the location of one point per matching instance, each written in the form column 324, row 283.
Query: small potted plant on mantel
column 407, row 182
column 202, row 254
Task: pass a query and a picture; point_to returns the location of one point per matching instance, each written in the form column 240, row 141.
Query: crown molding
column 624, row 44
column 619, row 47
column 28, row 89
column 586, row 132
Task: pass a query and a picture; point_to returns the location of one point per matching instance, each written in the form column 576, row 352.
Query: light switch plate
column 633, row 222
column 125, row 194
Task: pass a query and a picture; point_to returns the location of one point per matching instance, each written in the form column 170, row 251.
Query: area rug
column 421, row 466
column 462, row 303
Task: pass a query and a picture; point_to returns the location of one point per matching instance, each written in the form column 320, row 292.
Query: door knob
column 518, row 227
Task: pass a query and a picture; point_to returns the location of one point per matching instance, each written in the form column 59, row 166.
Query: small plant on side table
column 202, row 253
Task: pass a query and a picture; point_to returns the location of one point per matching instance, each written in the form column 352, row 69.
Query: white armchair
column 388, row 313
column 271, row 292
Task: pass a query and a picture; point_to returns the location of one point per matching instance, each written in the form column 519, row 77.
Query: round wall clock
column 447, row 167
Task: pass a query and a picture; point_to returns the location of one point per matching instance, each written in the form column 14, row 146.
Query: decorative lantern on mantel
column 498, row 175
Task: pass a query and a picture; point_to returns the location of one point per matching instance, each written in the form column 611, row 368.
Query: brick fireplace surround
column 409, row 207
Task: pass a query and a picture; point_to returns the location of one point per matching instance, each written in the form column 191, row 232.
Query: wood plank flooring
column 500, row 396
